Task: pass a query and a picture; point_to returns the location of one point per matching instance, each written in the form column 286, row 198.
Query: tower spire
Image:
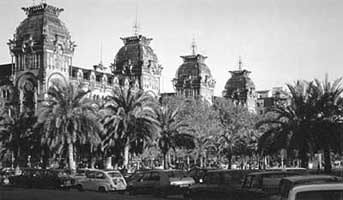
column 136, row 25
column 240, row 64
column 100, row 52
column 194, row 47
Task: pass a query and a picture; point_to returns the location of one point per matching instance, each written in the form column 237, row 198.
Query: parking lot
column 13, row 193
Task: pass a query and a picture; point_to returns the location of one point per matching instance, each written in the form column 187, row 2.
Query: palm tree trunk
column 72, row 165
column 108, row 163
column 229, row 164
column 17, row 157
column 201, row 161
column 327, row 161
column 169, row 159
column 91, row 160
column 91, row 163
column 165, row 157
column 303, row 158
column 126, row 156
column 229, row 158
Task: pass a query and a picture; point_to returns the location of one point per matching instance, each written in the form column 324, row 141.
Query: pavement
column 11, row 193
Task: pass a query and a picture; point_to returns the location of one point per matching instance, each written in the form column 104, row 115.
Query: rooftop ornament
column 42, row 8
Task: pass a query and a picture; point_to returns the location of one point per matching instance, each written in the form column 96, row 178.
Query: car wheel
column 161, row 193
column 156, row 193
column 187, row 195
column 80, row 188
column 131, row 191
column 121, row 192
column 102, row 189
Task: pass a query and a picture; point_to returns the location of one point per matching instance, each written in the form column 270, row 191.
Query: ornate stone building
column 42, row 52
column 240, row 88
column 136, row 65
column 193, row 78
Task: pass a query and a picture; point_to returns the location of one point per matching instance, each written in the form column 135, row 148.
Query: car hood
column 181, row 180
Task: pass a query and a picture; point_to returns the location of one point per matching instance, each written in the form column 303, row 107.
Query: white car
column 102, row 181
column 328, row 191
column 80, row 175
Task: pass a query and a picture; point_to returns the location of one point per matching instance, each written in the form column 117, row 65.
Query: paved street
column 44, row 194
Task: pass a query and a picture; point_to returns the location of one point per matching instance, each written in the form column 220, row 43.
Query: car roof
column 308, row 177
column 163, row 170
column 267, row 172
column 100, row 170
column 317, row 187
column 84, row 169
column 221, row 170
column 286, row 169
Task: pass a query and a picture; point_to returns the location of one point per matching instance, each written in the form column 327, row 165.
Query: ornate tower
column 240, row 88
column 193, row 78
column 42, row 51
column 136, row 65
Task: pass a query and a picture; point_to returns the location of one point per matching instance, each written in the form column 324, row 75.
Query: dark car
column 5, row 175
column 216, row 184
column 286, row 184
column 197, row 173
column 43, row 178
column 262, row 185
column 159, row 182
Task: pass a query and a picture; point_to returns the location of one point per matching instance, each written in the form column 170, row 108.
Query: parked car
column 43, row 178
column 79, row 175
column 197, row 173
column 216, row 184
column 102, row 181
column 298, row 170
column 160, row 182
column 327, row 191
column 134, row 176
column 5, row 174
column 286, row 184
column 261, row 185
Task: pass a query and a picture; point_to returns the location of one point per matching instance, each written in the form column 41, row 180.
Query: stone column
column 21, row 99
column 36, row 100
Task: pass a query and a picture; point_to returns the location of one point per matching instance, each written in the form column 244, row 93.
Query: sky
column 280, row 41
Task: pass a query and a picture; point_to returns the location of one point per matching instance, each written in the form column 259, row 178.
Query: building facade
column 240, row 88
column 136, row 65
column 267, row 99
column 42, row 52
column 193, row 78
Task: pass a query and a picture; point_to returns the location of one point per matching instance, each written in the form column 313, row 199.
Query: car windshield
column 175, row 174
column 114, row 174
column 320, row 195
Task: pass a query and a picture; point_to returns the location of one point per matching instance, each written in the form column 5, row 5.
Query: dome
column 42, row 25
column 193, row 67
column 239, row 85
column 136, row 54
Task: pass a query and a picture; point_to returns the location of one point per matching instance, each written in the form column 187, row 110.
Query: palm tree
column 237, row 128
column 13, row 132
column 202, row 120
column 312, row 120
column 69, row 117
column 202, row 145
column 129, row 121
column 328, row 104
column 173, row 132
column 291, row 123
